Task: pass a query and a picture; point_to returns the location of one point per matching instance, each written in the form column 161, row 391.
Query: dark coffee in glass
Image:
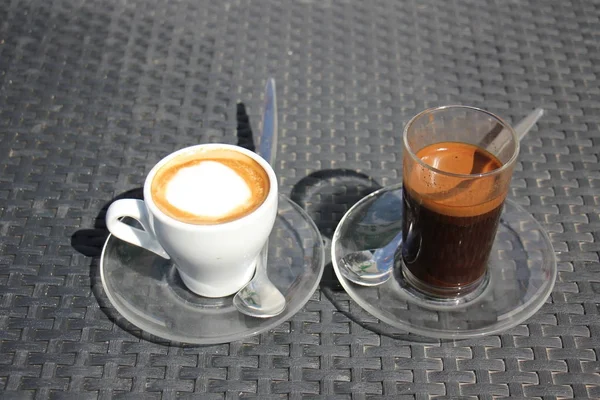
column 458, row 164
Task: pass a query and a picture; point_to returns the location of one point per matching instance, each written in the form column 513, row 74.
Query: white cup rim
column 157, row 213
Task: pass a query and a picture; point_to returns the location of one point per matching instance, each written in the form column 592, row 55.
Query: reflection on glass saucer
column 147, row 290
column 522, row 271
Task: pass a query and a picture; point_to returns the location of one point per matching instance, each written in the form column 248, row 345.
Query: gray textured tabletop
column 93, row 93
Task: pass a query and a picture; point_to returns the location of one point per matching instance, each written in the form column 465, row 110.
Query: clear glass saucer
column 147, row 290
column 522, row 272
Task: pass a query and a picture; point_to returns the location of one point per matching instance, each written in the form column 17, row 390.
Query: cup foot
column 211, row 291
column 184, row 295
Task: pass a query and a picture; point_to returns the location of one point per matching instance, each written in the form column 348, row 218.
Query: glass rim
column 497, row 171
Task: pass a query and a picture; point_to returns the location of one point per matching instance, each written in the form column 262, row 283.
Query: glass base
column 435, row 297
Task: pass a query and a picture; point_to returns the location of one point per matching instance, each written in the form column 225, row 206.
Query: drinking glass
column 457, row 166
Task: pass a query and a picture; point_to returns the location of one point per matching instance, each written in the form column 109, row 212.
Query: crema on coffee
column 210, row 186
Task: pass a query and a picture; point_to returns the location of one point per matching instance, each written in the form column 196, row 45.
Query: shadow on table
column 90, row 242
column 326, row 196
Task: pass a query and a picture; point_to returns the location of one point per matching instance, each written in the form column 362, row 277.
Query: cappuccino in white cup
column 210, row 186
column 210, row 208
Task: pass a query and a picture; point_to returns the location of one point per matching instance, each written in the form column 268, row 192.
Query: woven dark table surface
column 93, row 93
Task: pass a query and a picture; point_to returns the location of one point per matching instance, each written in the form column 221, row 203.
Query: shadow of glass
column 326, row 196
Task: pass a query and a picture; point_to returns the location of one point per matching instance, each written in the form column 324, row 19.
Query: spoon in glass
column 374, row 267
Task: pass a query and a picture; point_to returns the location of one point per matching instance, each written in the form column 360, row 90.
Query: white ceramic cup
column 212, row 260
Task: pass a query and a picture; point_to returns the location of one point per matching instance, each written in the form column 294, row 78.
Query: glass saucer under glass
column 147, row 290
column 521, row 271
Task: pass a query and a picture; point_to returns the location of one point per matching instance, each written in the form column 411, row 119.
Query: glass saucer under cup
column 147, row 290
column 521, row 269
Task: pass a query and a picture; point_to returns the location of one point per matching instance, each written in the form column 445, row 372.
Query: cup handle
column 135, row 209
